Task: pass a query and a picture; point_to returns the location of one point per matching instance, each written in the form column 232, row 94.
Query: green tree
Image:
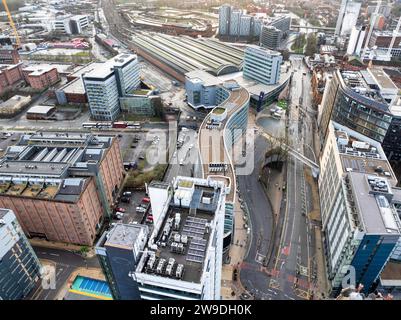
column 311, row 45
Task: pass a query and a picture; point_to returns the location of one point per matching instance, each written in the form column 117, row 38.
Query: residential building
column 40, row 76
column 61, row 186
column 347, row 17
column 361, row 228
column 235, row 22
column 118, row 251
column 105, row 84
column 9, row 76
column 282, row 23
column 262, row 65
column 20, row 268
column 356, row 40
column 224, row 19
column 182, row 258
column 246, row 24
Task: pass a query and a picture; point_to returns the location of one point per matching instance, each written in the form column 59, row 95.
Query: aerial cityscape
column 200, row 150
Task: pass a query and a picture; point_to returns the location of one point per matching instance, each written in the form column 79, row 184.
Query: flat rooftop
column 383, row 79
column 361, row 154
column 375, row 213
column 124, row 235
column 84, row 69
column 104, row 69
column 365, row 87
column 38, row 69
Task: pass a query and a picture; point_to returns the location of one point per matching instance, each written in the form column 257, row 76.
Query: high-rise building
column 118, row 251
column 270, row 37
column 347, row 17
column 262, row 65
column 235, row 22
column 224, row 19
column 182, row 258
column 246, row 26
column 359, row 100
column 61, row 186
column 356, row 40
column 361, row 227
column 20, row 268
column 106, row 84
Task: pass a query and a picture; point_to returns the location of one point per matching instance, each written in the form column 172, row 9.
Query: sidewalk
column 61, row 246
column 237, row 253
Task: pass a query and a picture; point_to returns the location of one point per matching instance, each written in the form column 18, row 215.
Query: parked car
column 121, row 210
column 125, row 199
column 127, row 194
column 146, row 199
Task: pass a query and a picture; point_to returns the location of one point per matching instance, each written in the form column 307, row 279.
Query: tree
column 311, row 45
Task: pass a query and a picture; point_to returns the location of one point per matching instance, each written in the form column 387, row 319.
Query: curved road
column 253, row 275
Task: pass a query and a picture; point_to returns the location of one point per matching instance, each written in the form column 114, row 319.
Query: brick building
column 61, row 186
column 10, row 75
column 40, row 76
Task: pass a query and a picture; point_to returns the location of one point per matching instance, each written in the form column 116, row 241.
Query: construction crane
column 10, row 19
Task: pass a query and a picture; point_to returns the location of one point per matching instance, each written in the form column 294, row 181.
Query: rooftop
column 104, row 69
column 187, row 54
column 124, row 235
column 359, row 153
column 184, row 233
column 38, row 69
column 41, row 109
column 371, row 197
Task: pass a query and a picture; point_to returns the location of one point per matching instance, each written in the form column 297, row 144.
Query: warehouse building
column 61, row 186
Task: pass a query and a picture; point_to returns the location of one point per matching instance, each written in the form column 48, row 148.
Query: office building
column 246, row 24
column 105, row 84
column 61, row 186
column 78, row 23
column 356, row 40
column 359, row 100
column 182, row 258
column 361, row 228
column 347, row 17
column 68, row 24
column 235, row 23
column 118, row 251
column 20, row 268
column 282, row 23
column 262, row 65
column 270, row 37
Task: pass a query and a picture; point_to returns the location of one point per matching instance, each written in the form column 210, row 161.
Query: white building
column 262, row 65
column 106, row 84
column 183, row 256
column 353, row 213
column 347, row 17
column 356, row 40
column 68, row 24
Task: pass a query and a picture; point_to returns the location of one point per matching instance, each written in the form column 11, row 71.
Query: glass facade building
column 19, row 266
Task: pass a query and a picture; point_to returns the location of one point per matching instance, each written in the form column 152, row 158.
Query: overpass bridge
column 291, row 151
column 313, row 27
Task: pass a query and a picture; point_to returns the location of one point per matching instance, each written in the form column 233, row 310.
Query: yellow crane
column 10, row 19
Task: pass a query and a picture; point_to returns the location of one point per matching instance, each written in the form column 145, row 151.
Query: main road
column 292, row 268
